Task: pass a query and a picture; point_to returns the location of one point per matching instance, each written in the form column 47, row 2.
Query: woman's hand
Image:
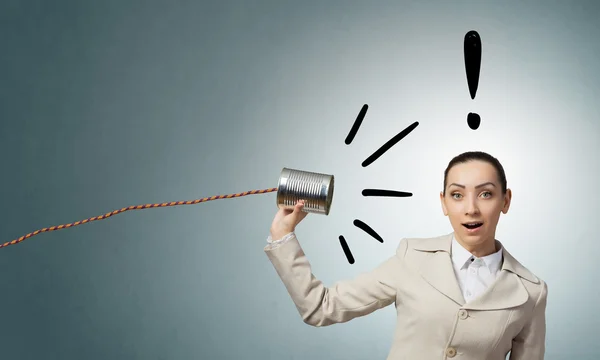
column 286, row 220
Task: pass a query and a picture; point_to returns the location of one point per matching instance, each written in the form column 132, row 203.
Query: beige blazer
column 433, row 321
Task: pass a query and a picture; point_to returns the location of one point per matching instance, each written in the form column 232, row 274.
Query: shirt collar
column 461, row 257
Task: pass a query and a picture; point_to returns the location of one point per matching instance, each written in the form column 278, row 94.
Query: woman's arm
column 530, row 344
column 321, row 306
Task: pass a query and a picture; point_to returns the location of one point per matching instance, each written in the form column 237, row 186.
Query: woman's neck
column 480, row 250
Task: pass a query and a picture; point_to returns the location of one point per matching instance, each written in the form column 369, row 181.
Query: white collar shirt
column 474, row 275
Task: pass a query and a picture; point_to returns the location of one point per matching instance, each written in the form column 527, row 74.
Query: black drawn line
column 366, row 228
column 386, row 193
column 472, row 51
column 356, row 125
column 346, row 250
column 393, row 141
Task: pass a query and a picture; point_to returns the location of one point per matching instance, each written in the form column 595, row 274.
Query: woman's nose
column 471, row 207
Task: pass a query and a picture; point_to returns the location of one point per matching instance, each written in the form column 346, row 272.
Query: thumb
column 298, row 214
column 299, row 206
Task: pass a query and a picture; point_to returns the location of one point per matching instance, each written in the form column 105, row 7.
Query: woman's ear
column 507, row 199
column 443, row 201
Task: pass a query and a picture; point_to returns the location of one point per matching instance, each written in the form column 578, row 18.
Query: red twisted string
column 136, row 207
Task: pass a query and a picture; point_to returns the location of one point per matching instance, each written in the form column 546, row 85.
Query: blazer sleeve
column 322, row 306
column 530, row 343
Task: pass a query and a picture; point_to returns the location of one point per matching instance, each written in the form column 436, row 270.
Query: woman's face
column 473, row 202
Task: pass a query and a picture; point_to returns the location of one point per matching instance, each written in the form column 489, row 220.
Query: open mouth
column 472, row 225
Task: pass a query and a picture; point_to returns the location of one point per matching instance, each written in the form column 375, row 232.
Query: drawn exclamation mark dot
column 472, row 49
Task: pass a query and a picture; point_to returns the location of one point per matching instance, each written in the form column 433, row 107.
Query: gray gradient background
column 105, row 104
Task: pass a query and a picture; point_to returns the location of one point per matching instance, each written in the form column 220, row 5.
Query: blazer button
column 463, row 314
column 451, row 352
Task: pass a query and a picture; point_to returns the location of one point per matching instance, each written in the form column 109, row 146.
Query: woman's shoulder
column 536, row 286
column 410, row 247
column 426, row 244
column 415, row 250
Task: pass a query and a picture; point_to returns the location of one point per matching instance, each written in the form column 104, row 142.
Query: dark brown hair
column 481, row 156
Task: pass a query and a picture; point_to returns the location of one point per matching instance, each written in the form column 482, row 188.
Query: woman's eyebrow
column 485, row 184
column 476, row 187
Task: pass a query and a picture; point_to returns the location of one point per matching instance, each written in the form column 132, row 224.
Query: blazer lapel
column 508, row 290
column 436, row 266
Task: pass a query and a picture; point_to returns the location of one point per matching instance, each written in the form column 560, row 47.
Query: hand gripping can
column 315, row 189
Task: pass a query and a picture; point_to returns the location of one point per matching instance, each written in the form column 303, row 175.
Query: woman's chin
column 474, row 236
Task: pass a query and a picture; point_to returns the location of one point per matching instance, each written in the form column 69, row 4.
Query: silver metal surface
column 314, row 188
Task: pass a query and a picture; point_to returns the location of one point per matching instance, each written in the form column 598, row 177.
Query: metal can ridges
column 315, row 188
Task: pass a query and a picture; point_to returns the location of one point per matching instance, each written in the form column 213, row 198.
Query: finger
column 299, row 206
column 298, row 213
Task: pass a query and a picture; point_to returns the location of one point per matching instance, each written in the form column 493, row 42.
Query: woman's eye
column 456, row 196
column 486, row 194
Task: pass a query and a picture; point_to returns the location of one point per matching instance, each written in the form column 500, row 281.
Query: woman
column 456, row 295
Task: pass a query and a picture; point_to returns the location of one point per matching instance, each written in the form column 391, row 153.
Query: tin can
column 315, row 189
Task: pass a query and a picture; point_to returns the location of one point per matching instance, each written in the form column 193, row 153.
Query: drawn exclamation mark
column 472, row 50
